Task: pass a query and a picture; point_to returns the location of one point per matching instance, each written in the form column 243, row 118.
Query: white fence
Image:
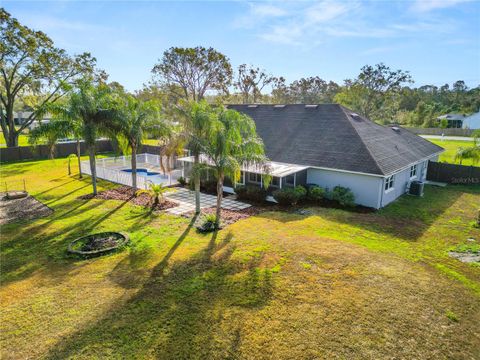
column 111, row 169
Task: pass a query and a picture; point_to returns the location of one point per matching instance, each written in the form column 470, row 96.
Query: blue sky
column 438, row 41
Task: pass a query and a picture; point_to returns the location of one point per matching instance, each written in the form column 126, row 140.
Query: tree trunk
column 12, row 140
column 196, row 180
column 218, row 212
column 69, row 168
column 134, row 169
column 78, row 158
column 93, row 167
column 52, row 151
column 11, row 136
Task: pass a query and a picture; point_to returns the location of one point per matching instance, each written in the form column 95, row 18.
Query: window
column 255, row 178
column 241, row 181
column 290, row 180
column 275, row 182
column 413, row 171
column 389, row 182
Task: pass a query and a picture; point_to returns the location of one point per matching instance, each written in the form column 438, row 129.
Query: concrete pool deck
column 186, row 202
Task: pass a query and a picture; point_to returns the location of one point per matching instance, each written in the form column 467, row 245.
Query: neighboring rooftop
column 452, row 117
column 472, row 121
column 331, row 136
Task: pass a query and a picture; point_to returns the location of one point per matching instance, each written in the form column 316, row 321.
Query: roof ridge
column 358, row 134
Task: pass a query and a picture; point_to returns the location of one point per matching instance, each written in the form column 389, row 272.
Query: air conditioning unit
column 416, row 188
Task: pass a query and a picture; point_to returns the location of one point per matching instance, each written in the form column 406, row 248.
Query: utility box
column 416, row 188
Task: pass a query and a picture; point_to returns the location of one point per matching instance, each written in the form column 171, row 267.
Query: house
column 472, row 121
column 21, row 117
column 330, row 145
column 453, row 120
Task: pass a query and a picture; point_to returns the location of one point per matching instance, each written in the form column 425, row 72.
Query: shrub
column 252, row 193
column 208, row 224
column 344, row 196
column 290, row 196
column 316, row 193
column 241, row 192
column 209, row 186
column 182, row 181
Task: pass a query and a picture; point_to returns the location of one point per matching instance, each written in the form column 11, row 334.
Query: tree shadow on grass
column 177, row 312
column 31, row 250
column 408, row 218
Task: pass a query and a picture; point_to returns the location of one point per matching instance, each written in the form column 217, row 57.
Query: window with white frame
column 275, row 182
column 254, row 178
column 290, row 180
column 389, row 182
column 413, row 171
column 241, row 180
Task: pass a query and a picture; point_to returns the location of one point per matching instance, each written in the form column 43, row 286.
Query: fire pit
column 98, row 244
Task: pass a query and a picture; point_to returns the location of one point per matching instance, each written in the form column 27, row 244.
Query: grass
column 451, row 147
column 22, row 140
column 335, row 284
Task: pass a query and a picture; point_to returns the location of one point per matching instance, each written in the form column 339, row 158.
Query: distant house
column 19, row 118
column 472, row 121
column 329, row 145
column 453, row 120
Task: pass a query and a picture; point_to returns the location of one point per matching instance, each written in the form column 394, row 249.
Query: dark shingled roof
column 331, row 136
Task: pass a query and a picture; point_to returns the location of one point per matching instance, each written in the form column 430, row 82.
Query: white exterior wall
column 367, row 188
column 402, row 180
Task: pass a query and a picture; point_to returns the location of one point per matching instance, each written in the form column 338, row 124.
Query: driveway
column 186, row 202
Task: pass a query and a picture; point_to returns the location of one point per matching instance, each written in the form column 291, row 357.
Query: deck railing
column 111, row 169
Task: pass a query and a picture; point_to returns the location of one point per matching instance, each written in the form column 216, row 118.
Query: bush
column 344, row 196
column 241, row 192
column 290, row 196
column 208, row 224
column 316, row 193
column 301, row 192
column 209, row 186
column 251, row 193
column 182, row 181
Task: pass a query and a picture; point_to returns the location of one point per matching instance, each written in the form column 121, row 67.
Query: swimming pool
column 143, row 172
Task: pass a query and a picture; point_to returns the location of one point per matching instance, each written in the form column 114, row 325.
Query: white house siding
column 402, row 179
column 367, row 189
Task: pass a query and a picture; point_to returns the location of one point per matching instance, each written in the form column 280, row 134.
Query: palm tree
column 156, row 191
column 69, row 157
column 197, row 119
column 134, row 120
column 472, row 152
column 91, row 109
column 233, row 142
column 61, row 127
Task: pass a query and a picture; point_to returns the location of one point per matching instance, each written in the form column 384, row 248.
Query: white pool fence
column 110, row 169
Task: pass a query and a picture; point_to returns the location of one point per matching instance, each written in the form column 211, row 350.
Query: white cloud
column 307, row 23
column 267, row 10
column 424, row 6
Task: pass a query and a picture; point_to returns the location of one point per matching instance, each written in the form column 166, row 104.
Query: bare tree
column 250, row 82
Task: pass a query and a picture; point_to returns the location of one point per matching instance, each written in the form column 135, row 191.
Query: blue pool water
column 143, row 172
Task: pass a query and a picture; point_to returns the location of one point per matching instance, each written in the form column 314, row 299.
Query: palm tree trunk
column 78, row 158
column 52, row 151
column 218, row 212
column 93, row 167
column 196, row 180
column 134, row 168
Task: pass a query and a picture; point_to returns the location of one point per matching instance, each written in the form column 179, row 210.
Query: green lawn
column 451, row 147
column 22, row 140
column 336, row 284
